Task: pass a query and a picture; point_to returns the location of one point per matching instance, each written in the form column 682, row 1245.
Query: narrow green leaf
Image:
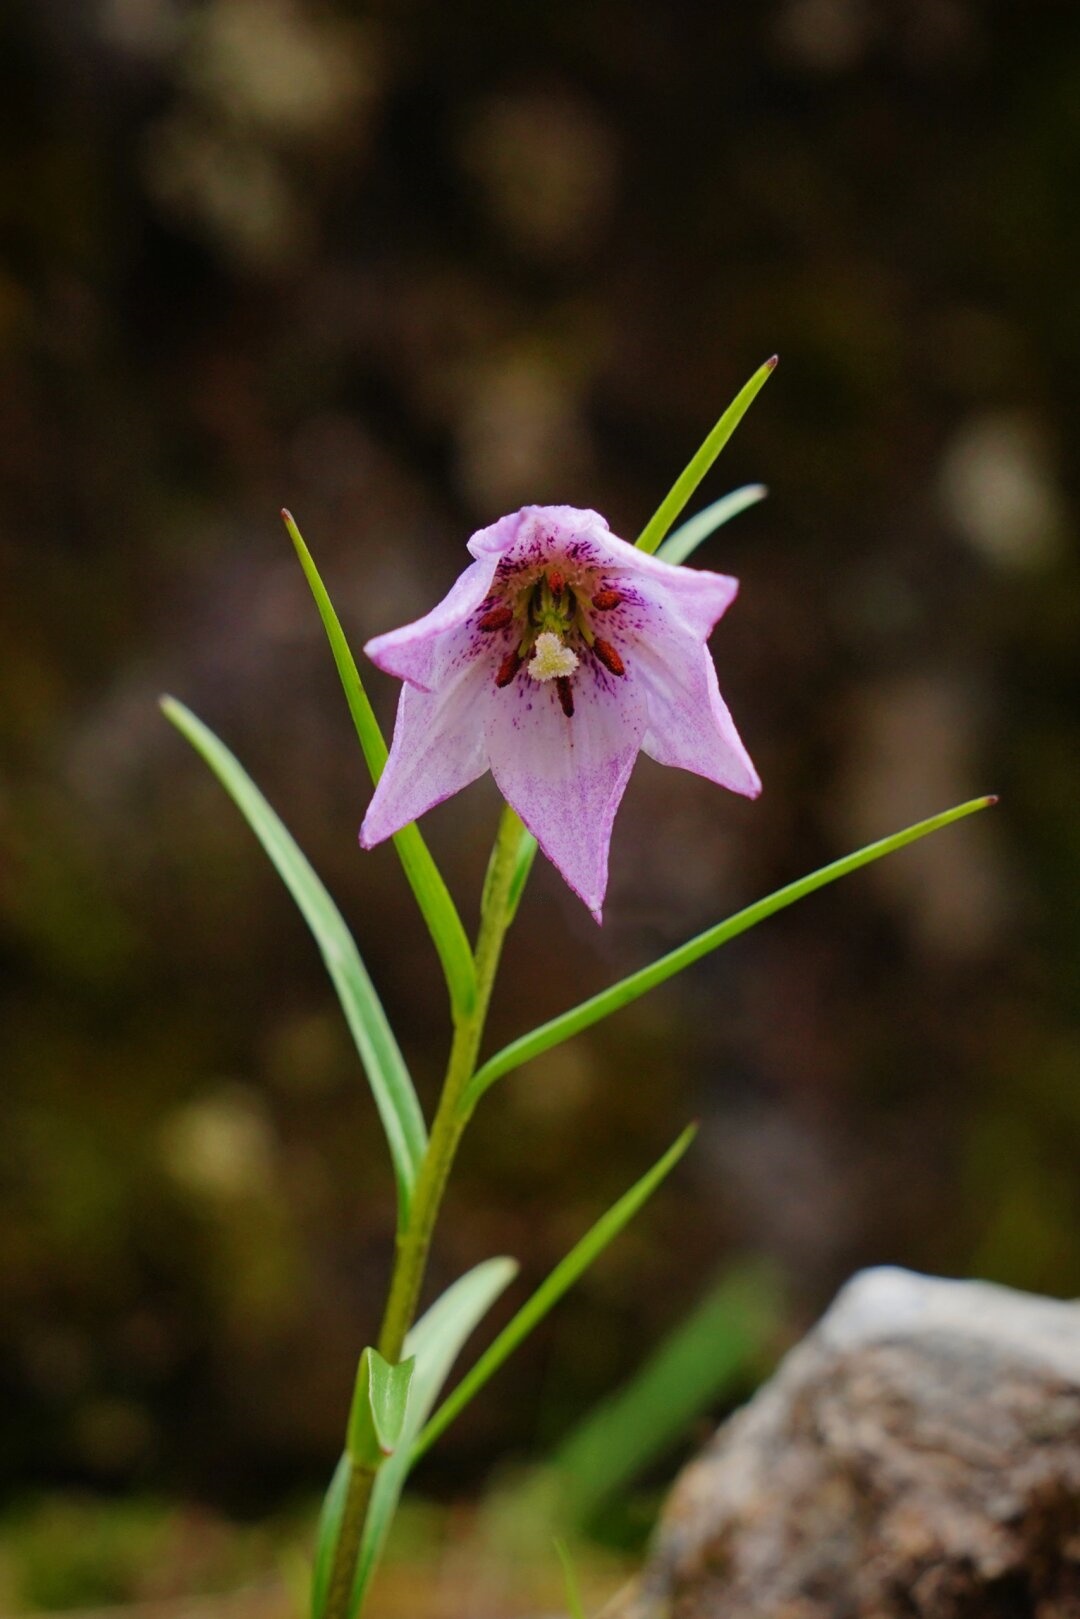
column 688, row 480
column 377, row 1417
column 684, row 540
column 525, row 856
column 721, row 1342
column 383, row 1063
column 516, row 844
column 425, row 879
column 573, row 1593
column 551, row 1290
column 435, row 1342
column 628, row 989
column 326, row 1536
column 376, row 1424
column 363, row 715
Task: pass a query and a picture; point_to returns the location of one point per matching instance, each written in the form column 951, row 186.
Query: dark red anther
column 605, row 600
column 508, row 668
column 566, row 695
column 609, row 657
column 497, row 619
column 556, row 582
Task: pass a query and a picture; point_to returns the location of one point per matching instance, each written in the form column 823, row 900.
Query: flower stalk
column 414, row 1241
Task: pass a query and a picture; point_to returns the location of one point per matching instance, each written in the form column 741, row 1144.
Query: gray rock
column 917, row 1456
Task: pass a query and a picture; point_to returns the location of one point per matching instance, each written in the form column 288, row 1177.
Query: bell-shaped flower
column 558, row 654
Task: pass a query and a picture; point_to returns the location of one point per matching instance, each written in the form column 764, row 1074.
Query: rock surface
column 917, row 1456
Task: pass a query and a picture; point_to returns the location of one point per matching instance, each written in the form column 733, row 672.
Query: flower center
column 550, row 615
column 552, row 658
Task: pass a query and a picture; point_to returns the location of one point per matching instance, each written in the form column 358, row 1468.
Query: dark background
column 405, row 267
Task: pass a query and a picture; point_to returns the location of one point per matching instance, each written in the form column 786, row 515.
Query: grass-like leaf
column 425, row 879
column 377, row 1424
column 526, row 856
column 377, row 1417
column 684, row 541
column 719, row 1345
column 326, row 1536
column 628, row 989
column 688, row 480
column 573, row 1592
column 395, row 1098
column 435, row 1342
column 551, row 1290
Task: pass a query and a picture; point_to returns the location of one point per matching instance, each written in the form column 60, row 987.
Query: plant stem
column 351, row 1533
column 414, row 1242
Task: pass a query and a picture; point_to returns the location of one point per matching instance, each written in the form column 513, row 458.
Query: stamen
column 605, row 600
column 508, row 668
column 556, row 582
column 609, row 657
column 566, row 695
column 497, row 619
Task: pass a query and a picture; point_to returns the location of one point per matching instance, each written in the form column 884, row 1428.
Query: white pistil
column 552, row 658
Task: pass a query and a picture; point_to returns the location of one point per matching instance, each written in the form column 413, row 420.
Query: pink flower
column 558, row 654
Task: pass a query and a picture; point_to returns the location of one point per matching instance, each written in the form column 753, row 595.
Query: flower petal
column 425, row 653
column 546, row 530
column 560, row 740
column 699, row 596
column 566, row 777
column 690, row 726
column 438, row 749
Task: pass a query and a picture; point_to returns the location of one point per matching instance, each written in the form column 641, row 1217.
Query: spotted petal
column 558, row 685
column 690, row 725
column 438, row 748
column 673, row 612
column 424, row 652
column 566, row 778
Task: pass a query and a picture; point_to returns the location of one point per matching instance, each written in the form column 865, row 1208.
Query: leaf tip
column 682, row 1141
column 991, row 799
column 772, row 363
column 290, row 526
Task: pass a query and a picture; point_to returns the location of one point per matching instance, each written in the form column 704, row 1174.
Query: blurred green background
column 404, row 267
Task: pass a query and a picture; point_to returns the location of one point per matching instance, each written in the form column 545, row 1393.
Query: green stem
column 414, row 1242
column 450, row 1120
column 351, row 1533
